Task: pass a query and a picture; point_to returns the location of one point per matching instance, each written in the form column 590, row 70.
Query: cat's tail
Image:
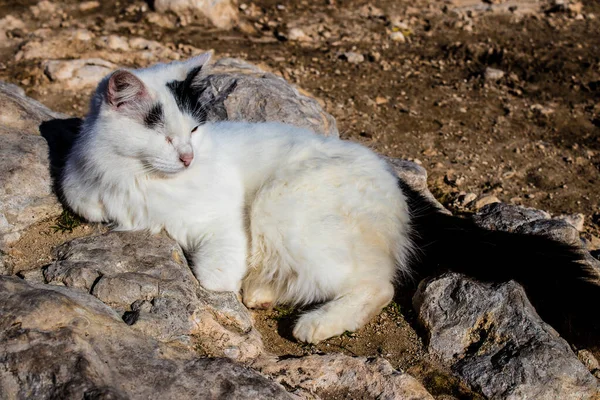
column 558, row 277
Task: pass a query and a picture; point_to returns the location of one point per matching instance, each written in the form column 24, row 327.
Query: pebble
column 88, row 5
column 493, row 74
column 485, row 200
column 467, row 199
column 398, row 37
column 298, row 35
column 354, row 58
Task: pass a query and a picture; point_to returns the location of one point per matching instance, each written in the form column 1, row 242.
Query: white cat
column 288, row 216
column 284, row 214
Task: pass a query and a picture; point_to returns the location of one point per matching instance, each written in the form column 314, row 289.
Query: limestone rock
column 340, row 375
column 497, row 343
column 146, row 280
column 221, row 13
column 56, row 343
column 239, row 91
column 78, row 74
column 19, row 113
column 26, row 195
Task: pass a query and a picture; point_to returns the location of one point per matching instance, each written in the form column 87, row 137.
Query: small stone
column 397, row 37
column 354, row 58
column 115, row 42
column 380, row 100
column 298, row 35
column 575, row 220
column 88, row 5
column 467, row 199
column 493, row 74
column 485, row 200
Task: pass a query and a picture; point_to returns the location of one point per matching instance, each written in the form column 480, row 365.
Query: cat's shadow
column 60, row 134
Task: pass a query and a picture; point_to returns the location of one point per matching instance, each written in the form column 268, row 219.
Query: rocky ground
column 498, row 100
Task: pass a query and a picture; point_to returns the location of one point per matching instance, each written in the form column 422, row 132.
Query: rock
column 239, row 91
column 506, row 217
column 397, row 37
column 493, row 74
column 146, row 279
column 575, row 220
column 467, row 199
column 496, row 342
column 353, row 57
column 59, row 343
column 21, row 113
column 7, row 24
column 88, row 5
column 78, row 74
column 339, row 375
column 414, row 176
column 221, row 13
column 552, row 228
column 73, row 45
column 298, row 35
column 26, row 195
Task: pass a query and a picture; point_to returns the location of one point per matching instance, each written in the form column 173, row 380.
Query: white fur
column 287, row 215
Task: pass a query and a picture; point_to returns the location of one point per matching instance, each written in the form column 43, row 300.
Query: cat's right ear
column 125, row 89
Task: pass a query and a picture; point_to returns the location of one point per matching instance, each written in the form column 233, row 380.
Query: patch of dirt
column 388, row 335
column 34, row 249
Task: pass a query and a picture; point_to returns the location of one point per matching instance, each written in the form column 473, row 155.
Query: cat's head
column 150, row 115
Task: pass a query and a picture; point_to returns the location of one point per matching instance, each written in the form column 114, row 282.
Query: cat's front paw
column 316, row 326
column 217, row 279
column 262, row 297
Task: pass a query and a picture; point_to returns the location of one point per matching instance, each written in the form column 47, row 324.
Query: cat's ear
column 198, row 61
column 124, row 88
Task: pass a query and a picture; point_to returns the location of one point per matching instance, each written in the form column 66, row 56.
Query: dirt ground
column 527, row 131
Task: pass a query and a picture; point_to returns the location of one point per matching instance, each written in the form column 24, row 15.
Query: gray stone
column 147, row 280
column 506, row 217
column 493, row 74
column 414, row 176
column 495, row 341
column 25, row 183
column 235, row 90
column 340, row 376
column 555, row 229
column 57, row 343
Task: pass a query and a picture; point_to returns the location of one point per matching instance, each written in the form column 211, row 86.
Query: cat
column 275, row 211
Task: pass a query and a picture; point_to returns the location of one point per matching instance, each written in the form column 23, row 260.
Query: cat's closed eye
column 194, row 129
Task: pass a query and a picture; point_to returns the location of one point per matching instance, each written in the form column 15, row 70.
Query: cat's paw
column 217, row 280
column 316, row 326
column 260, row 297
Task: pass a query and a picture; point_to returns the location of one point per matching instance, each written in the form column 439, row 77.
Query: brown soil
column 532, row 137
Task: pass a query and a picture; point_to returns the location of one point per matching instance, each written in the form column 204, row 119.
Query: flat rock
column 58, row 343
column 340, row 376
column 78, row 74
column 221, row 13
column 495, row 340
column 239, row 91
column 507, row 217
column 26, row 195
column 147, row 280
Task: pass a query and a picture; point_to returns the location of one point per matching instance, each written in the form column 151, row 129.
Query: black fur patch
column 155, row 116
column 187, row 96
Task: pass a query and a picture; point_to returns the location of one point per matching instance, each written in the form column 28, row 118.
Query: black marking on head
column 155, row 116
column 187, row 96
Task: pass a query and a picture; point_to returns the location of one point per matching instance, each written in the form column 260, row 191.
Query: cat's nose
column 186, row 158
